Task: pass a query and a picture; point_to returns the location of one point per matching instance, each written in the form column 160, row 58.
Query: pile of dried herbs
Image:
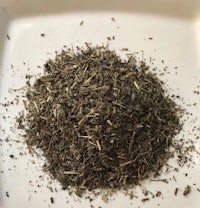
column 101, row 122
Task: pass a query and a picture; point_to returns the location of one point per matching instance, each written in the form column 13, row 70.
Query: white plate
column 175, row 29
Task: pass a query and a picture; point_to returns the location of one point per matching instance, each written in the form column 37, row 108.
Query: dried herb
column 52, row 200
column 145, row 199
column 158, row 193
column 176, row 191
column 8, row 37
column 11, row 156
column 100, row 122
column 104, row 198
column 160, row 180
column 7, row 194
column 187, row 190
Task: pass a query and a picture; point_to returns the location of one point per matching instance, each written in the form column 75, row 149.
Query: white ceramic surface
column 175, row 28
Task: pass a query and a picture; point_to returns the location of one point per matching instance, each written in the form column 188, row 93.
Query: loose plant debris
column 7, row 194
column 145, row 199
column 160, row 180
column 101, row 122
column 176, row 191
column 8, row 37
column 11, row 156
column 42, row 35
column 158, row 193
column 52, row 200
column 81, row 23
column 187, row 190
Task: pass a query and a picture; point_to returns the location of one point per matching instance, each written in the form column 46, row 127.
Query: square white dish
column 175, row 29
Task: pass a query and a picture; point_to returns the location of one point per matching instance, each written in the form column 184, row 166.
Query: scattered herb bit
column 42, row 35
column 176, row 191
column 29, row 198
column 7, row 194
column 158, row 193
column 187, row 190
column 145, row 199
column 8, row 37
column 145, row 192
column 150, row 38
column 160, row 180
column 104, row 198
column 81, row 23
column 52, row 200
column 11, row 156
column 50, row 188
column 109, row 38
column 131, row 195
column 113, row 19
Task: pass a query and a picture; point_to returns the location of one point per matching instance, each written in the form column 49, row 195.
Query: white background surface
column 175, row 29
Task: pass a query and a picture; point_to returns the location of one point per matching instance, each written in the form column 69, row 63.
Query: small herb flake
column 145, row 199
column 8, row 37
column 52, row 200
column 176, row 191
column 187, row 190
column 7, row 194
column 42, row 35
column 81, row 23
